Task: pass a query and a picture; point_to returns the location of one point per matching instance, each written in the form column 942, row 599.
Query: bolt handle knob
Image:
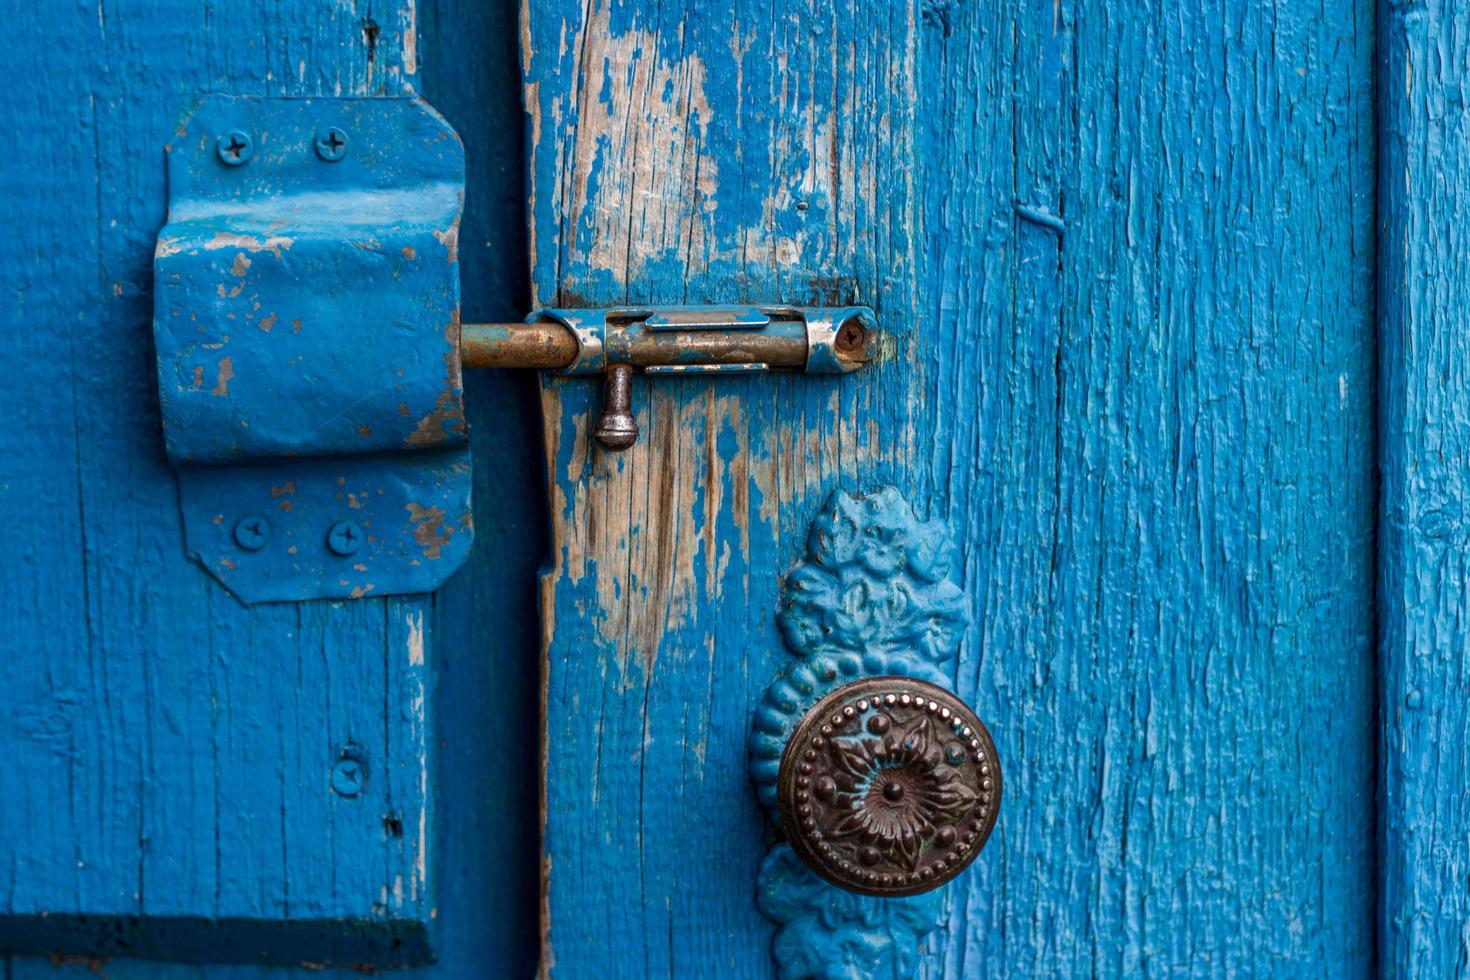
column 889, row 786
column 616, row 429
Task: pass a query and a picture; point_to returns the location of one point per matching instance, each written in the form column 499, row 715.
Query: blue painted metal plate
column 307, row 333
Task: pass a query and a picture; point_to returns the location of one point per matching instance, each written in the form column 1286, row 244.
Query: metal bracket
column 307, row 334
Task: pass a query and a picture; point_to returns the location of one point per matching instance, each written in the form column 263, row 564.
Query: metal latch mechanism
column 309, row 345
column 672, row 340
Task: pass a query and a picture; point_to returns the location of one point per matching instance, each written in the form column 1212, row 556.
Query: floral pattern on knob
column 890, row 786
column 870, row 598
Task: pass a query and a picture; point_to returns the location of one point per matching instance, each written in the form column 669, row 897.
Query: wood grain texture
column 168, row 751
column 1424, row 585
column 1125, row 255
column 1173, row 532
column 660, row 139
column 171, row 750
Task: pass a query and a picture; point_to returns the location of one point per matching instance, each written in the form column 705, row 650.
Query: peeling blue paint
column 307, row 332
column 1152, row 438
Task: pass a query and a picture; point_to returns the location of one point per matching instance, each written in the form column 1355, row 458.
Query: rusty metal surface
column 544, row 344
column 552, row 344
column 779, row 345
column 889, row 786
column 673, row 340
column 617, row 429
column 697, row 337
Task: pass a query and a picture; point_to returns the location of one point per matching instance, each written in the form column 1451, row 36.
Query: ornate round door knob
column 889, row 786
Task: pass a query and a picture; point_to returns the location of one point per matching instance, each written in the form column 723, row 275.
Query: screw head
column 349, row 776
column 851, row 336
column 331, row 144
column 234, row 147
column 345, row 538
column 252, row 532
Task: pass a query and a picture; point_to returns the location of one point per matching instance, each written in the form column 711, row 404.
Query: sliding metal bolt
column 617, row 430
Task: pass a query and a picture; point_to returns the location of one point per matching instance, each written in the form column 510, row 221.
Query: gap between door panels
column 490, row 619
column 1423, row 454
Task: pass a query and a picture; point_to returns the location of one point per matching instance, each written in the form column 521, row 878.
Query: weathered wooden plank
column 481, row 638
column 1176, row 569
column 1125, row 252
column 1423, row 288
column 694, row 154
column 171, row 753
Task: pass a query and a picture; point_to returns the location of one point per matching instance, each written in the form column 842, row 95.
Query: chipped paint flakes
column 449, row 238
column 435, row 427
column 429, row 529
column 447, row 417
column 222, row 377
column 224, row 239
column 657, row 172
column 410, row 41
column 416, row 639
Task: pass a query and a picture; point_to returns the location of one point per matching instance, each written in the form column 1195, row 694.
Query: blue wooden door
column 1123, row 255
column 1158, row 468
column 189, row 779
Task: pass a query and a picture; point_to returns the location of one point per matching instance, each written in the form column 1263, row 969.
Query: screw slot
column 345, row 538
column 349, row 776
column 234, row 147
column 851, row 336
column 252, row 532
column 331, row 144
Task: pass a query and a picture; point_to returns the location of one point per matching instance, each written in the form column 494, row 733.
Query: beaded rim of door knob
column 889, row 786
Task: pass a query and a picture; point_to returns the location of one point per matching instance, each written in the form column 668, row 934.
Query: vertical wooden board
column 1125, row 254
column 1169, row 503
column 697, row 154
column 1423, row 289
column 480, row 637
column 488, row 668
column 171, row 752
